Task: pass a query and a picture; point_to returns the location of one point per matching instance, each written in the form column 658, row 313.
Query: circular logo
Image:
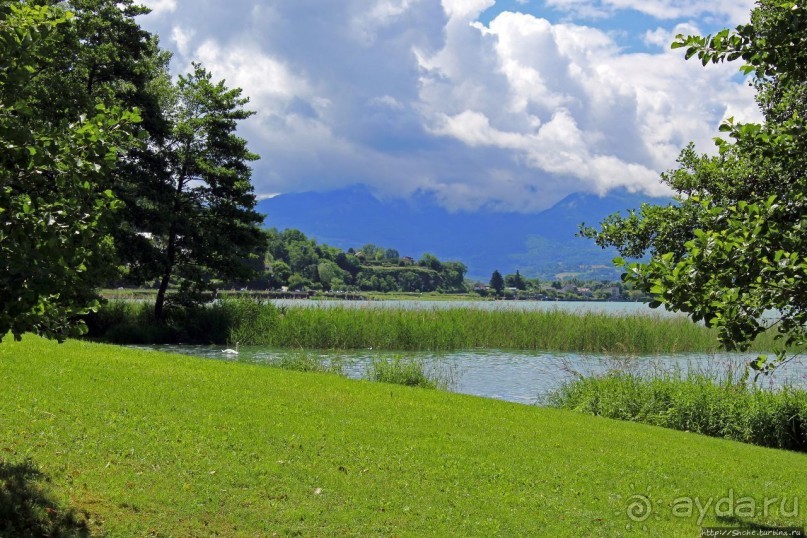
column 639, row 508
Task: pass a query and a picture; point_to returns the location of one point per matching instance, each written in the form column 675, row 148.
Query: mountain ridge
column 541, row 244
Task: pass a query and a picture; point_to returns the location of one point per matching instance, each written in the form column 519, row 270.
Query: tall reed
column 469, row 328
column 696, row 401
column 256, row 323
column 407, row 371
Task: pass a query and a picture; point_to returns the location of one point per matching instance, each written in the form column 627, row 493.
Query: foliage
column 208, row 226
column 297, row 262
column 54, row 237
column 695, row 402
column 144, row 441
column 733, row 246
column 190, row 166
column 104, row 56
column 516, row 281
column 497, row 282
column 224, row 323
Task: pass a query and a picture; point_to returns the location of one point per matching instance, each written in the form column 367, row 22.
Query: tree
column 516, row 281
column 348, row 263
column 104, row 56
column 54, row 241
column 430, row 261
column 370, row 251
column 208, row 224
column 497, row 282
column 280, row 274
column 733, row 246
column 328, row 273
column 298, row 283
column 453, row 276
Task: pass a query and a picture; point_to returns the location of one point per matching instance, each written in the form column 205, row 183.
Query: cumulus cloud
column 565, row 100
column 415, row 95
column 160, row 7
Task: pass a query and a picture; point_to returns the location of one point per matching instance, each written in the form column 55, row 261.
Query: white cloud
column 466, row 9
column 407, row 95
column 160, row 7
column 182, row 39
column 565, row 101
column 367, row 23
column 269, row 83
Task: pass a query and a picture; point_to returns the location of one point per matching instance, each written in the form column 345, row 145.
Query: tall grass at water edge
column 410, row 372
column 255, row 323
column 719, row 404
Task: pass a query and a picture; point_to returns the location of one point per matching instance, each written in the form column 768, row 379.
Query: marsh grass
column 261, row 323
column 470, row 328
column 303, row 361
column 719, row 404
column 408, row 371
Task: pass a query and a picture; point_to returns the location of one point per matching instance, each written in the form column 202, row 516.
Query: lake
column 615, row 308
column 522, row 377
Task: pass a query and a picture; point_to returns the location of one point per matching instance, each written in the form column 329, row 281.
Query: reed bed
column 261, row 323
column 699, row 402
column 469, row 328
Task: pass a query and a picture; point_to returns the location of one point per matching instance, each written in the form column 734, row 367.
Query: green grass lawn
column 145, row 443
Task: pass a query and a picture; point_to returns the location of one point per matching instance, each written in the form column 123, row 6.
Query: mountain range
column 541, row 244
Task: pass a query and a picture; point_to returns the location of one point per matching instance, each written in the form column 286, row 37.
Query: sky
column 497, row 105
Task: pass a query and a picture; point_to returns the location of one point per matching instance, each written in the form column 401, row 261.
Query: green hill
column 146, row 443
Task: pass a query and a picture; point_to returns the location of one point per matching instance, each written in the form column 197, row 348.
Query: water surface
column 607, row 307
column 522, row 377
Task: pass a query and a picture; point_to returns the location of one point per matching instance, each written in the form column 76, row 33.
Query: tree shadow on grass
column 26, row 509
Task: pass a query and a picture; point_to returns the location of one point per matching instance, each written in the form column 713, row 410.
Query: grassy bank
column 696, row 402
column 436, row 329
column 138, row 443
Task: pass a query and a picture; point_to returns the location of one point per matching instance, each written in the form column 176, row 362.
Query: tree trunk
column 170, row 253
column 159, row 305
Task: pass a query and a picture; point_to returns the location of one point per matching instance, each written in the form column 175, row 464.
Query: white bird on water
column 229, row 351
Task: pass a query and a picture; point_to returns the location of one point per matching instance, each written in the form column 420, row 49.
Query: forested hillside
column 295, row 262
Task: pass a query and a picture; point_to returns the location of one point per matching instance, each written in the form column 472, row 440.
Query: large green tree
column 54, row 243
column 207, row 228
column 734, row 246
column 109, row 58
